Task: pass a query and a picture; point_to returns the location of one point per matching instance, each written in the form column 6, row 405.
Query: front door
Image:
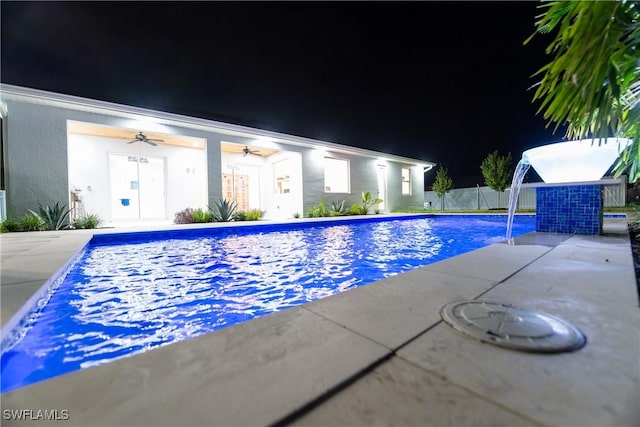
column 137, row 187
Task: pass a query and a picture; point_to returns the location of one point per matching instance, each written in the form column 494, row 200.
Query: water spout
column 516, row 183
column 575, row 161
column 565, row 162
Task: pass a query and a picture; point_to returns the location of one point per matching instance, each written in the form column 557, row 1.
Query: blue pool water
column 131, row 293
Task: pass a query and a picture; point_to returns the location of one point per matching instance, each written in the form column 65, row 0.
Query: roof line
column 78, row 103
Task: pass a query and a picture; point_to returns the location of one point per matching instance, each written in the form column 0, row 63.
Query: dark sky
column 446, row 82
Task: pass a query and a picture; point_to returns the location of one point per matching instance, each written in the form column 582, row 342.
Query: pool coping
column 310, row 358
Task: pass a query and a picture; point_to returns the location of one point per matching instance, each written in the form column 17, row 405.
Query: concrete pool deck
column 375, row 355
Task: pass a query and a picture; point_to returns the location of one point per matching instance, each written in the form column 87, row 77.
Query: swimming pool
column 133, row 292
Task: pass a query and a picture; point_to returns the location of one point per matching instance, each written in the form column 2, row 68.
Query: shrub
column 53, row 218
column 250, row 215
column 254, row 214
column 88, row 221
column 355, row 209
column 92, row 221
column 33, row 222
column 223, row 210
column 296, row 215
column 184, row 216
column 318, row 210
column 200, row 215
column 10, row 225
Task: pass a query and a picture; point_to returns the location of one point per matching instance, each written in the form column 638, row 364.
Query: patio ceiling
column 93, row 129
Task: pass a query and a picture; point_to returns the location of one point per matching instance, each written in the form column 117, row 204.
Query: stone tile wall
column 575, row 209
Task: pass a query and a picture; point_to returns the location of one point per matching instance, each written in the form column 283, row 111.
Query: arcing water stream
column 516, row 183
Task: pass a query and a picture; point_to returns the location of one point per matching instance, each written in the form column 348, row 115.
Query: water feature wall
column 575, row 209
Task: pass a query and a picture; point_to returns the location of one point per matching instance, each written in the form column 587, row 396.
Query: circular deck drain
column 507, row 326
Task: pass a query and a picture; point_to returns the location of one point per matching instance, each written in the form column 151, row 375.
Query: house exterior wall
column 394, row 187
column 37, row 163
column 363, row 178
column 36, row 157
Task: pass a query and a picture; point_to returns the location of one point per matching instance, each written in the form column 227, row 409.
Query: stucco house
column 132, row 164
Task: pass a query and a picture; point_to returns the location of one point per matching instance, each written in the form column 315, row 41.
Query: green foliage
column 338, row 208
column 87, row 222
column 184, row 216
column 442, row 184
column 296, row 215
column 634, row 219
column 592, row 82
column 254, row 214
column 53, row 218
column 368, row 201
column 250, row 215
column 32, row 222
column 497, row 172
column 317, row 211
column 356, row 209
column 200, row 215
column 10, row 225
column 223, row 210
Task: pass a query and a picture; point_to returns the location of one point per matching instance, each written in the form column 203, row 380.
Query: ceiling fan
column 246, row 151
column 141, row 137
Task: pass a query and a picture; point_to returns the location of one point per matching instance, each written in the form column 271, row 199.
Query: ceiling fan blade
column 131, row 142
column 154, row 139
column 150, row 142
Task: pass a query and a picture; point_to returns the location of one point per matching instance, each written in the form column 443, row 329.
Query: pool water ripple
column 125, row 298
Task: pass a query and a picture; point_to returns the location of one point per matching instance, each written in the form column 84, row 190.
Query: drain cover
column 507, row 326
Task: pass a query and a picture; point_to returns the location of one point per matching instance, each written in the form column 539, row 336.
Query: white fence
column 477, row 198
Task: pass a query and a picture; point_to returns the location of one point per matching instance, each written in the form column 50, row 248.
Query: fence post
column 478, row 193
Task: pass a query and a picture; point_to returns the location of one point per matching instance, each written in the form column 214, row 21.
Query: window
column 406, row 181
column 336, row 175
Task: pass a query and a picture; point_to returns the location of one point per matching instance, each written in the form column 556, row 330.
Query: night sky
column 447, row 82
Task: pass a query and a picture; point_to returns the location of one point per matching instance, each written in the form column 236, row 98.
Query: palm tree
column 593, row 81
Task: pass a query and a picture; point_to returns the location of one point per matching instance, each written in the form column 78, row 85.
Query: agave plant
column 338, row 208
column 53, row 218
column 223, row 210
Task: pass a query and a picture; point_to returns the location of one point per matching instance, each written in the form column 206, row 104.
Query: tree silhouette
column 442, row 185
column 497, row 172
